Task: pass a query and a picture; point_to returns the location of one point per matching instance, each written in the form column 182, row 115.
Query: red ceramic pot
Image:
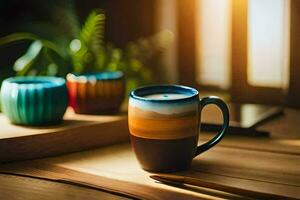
column 96, row 93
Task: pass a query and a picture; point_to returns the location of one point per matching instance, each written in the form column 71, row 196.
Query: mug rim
column 152, row 89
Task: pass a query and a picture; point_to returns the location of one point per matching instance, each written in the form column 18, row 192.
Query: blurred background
column 244, row 50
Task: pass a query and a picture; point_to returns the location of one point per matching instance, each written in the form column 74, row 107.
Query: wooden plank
column 267, row 167
column 115, row 167
column 61, row 174
column 285, row 135
column 283, row 146
column 285, row 127
column 76, row 133
column 18, row 187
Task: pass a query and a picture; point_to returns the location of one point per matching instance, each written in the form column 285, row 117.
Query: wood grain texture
column 18, row 187
column 115, row 168
column 283, row 146
column 269, row 165
column 76, row 133
column 112, row 168
column 185, row 180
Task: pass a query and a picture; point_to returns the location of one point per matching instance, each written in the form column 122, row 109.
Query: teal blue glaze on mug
column 34, row 100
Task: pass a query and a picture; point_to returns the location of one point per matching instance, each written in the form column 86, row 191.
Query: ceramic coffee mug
column 34, row 100
column 164, row 122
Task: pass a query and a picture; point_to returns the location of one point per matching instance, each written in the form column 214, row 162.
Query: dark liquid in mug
column 164, row 155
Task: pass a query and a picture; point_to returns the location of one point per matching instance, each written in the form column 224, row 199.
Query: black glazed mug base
column 155, row 155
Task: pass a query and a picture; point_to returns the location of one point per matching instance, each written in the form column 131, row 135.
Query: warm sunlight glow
column 213, row 42
column 268, row 46
column 166, row 12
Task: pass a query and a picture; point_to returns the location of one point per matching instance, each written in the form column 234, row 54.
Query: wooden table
column 20, row 187
column 263, row 164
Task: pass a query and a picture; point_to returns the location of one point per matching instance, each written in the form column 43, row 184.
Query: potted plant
column 86, row 52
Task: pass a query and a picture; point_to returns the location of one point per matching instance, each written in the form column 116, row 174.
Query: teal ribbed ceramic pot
column 34, row 100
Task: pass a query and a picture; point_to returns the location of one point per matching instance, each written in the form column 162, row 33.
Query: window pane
column 268, row 36
column 213, row 42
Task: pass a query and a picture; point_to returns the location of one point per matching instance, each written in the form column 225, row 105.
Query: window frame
column 240, row 90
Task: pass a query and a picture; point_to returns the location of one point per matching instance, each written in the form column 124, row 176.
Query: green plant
column 42, row 56
column 84, row 50
column 87, row 50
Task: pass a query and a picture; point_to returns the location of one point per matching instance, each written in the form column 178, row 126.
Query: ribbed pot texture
column 38, row 100
column 99, row 93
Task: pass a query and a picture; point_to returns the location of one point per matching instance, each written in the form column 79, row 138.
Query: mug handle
column 221, row 104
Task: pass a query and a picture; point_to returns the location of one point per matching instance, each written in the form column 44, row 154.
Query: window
column 268, row 43
column 248, row 48
column 213, row 42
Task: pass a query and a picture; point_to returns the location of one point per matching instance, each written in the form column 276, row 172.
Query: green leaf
column 17, row 37
column 28, row 36
column 92, row 32
column 23, row 64
column 29, row 67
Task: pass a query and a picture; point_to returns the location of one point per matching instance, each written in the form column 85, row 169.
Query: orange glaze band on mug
column 162, row 119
